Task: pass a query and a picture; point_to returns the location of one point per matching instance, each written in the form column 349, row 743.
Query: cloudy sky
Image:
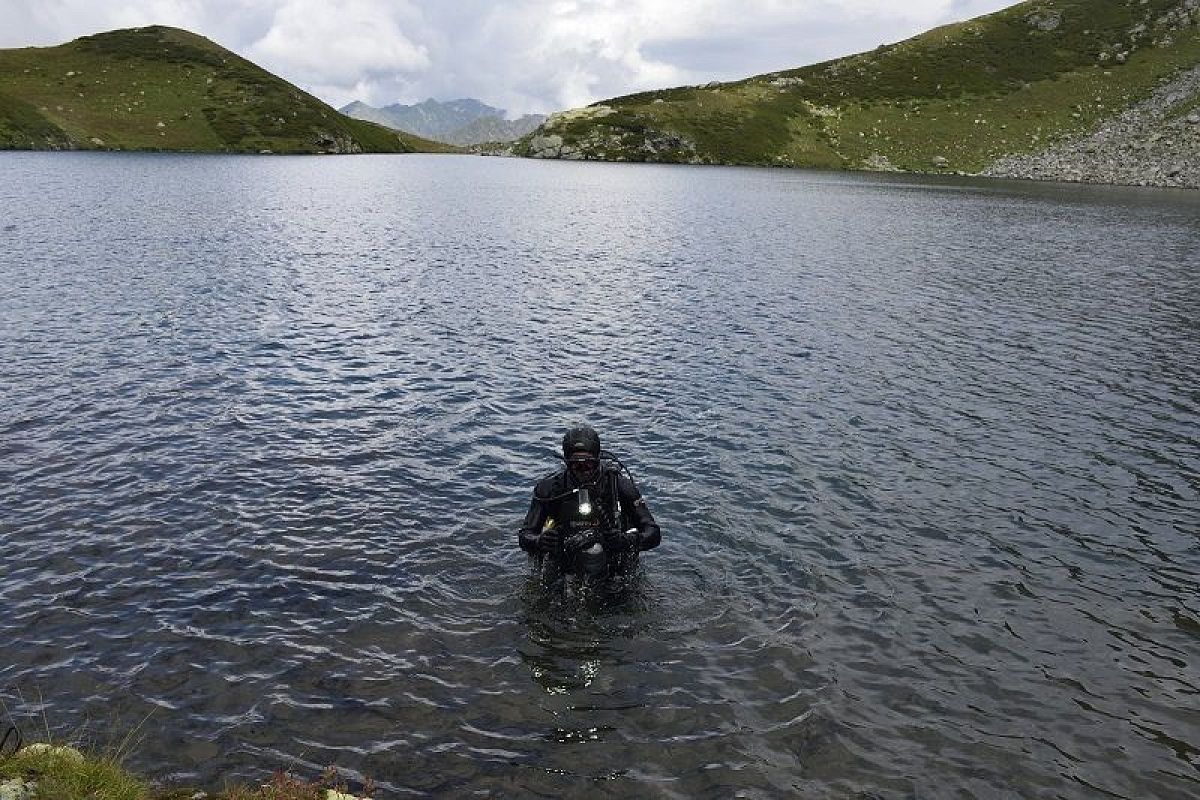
column 522, row 55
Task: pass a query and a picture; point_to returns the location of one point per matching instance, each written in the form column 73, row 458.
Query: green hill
column 161, row 88
column 957, row 98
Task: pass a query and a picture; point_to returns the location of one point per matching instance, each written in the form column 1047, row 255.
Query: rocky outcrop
column 1154, row 143
column 17, row 789
column 333, row 144
column 26, row 788
column 1045, row 21
column 614, row 144
column 559, row 137
column 877, row 162
column 546, row 146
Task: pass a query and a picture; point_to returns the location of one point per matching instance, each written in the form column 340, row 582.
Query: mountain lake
column 925, row 453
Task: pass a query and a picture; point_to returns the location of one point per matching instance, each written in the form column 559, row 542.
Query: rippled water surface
column 925, row 455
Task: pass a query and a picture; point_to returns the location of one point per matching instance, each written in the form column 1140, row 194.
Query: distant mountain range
column 160, row 88
column 458, row 122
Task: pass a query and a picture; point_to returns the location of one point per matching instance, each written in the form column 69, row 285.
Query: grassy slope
column 64, row 773
column 954, row 98
column 162, row 88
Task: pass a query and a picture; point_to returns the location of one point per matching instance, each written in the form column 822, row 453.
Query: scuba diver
column 588, row 519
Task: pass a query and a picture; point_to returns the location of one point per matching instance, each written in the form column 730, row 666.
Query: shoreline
column 1050, row 166
column 67, row 772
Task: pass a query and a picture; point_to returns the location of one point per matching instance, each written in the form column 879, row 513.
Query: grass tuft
column 63, row 773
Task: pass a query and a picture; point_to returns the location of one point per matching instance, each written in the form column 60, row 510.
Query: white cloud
column 50, row 22
column 525, row 55
column 341, row 44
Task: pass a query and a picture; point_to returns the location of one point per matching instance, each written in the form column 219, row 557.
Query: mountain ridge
column 970, row 97
column 162, row 88
column 461, row 122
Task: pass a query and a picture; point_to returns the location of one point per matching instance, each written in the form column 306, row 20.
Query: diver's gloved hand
column 550, row 540
column 622, row 541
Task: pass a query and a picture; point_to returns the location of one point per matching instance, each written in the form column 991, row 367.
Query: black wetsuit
column 617, row 507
